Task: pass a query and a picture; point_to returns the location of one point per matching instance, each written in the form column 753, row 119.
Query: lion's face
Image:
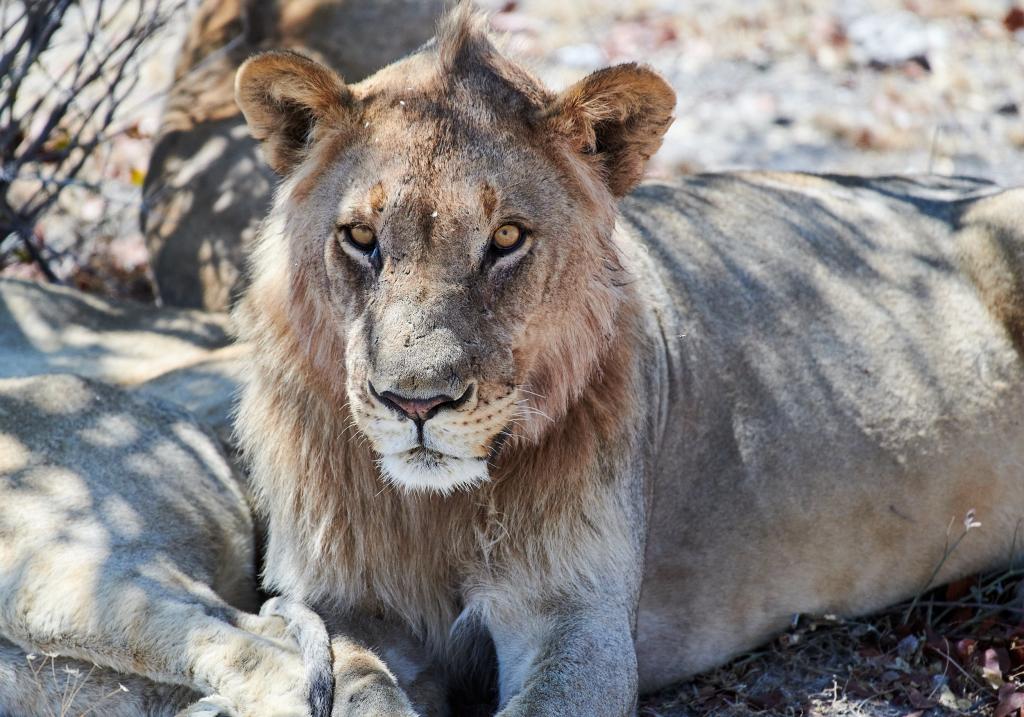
column 447, row 231
column 437, row 262
column 445, row 266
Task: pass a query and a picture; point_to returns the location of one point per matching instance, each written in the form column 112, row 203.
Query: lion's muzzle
column 420, row 410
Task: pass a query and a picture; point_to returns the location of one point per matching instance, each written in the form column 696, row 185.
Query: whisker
column 531, row 411
column 523, row 389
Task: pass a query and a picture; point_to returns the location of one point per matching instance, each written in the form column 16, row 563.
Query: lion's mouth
column 427, row 457
column 424, row 469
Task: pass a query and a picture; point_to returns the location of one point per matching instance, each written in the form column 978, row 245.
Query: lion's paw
column 213, row 706
column 280, row 665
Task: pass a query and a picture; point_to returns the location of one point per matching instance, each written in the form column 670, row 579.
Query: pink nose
column 418, row 409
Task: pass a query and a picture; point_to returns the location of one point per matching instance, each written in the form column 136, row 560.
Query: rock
column 181, row 355
column 892, row 38
column 207, row 189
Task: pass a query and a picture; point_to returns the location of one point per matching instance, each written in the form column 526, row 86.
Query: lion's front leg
column 382, row 670
column 180, row 634
column 364, row 686
column 576, row 661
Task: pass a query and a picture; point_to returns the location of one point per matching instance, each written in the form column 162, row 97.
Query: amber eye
column 362, row 237
column 507, row 237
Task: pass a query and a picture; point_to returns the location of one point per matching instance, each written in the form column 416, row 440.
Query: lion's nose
column 419, row 409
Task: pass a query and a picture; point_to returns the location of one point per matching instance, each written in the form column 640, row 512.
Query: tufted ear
column 285, row 97
column 619, row 115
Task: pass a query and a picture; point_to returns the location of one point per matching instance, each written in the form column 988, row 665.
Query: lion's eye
column 507, row 237
column 362, row 237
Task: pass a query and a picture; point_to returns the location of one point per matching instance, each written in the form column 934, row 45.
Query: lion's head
column 441, row 249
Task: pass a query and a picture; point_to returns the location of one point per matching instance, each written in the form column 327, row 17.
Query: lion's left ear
column 285, row 97
column 619, row 114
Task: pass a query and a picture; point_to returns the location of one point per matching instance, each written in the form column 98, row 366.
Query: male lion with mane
column 501, row 394
column 513, row 418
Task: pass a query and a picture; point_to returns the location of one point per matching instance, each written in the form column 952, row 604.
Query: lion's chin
column 422, row 469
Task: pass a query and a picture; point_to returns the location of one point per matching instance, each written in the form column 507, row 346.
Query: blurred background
column 849, row 86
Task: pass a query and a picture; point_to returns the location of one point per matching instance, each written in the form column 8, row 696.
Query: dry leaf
column 1010, row 701
column 1014, row 19
column 991, row 670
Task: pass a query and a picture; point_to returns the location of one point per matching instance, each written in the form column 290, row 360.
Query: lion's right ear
column 618, row 117
column 285, row 97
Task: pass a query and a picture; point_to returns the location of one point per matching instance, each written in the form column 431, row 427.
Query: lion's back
column 838, row 383
column 831, row 288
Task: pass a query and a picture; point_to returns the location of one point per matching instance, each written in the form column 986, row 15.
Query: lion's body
column 656, row 434
column 127, row 567
column 819, row 395
column 834, row 395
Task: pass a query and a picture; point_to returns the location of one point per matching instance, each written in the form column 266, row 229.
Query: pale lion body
column 127, row 545
column 660, row 436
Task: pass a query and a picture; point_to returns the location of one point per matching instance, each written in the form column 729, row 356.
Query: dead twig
column 66, row 68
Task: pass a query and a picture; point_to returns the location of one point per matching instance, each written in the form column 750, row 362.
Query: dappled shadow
column 791, row 286
column 175, row 354
column 112, row 508
column 206, row 194
column 47, row 329
column 207, row 188
column 810, row 308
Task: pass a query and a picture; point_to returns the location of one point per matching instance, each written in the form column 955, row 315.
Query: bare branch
column 76, row 61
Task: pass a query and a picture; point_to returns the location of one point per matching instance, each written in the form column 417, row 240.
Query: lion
column 506, row 399
column 127, row 545
column 206, row 190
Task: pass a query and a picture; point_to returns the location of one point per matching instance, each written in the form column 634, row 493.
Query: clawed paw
column 373, row 695
column 307, row 629
column 214, row 706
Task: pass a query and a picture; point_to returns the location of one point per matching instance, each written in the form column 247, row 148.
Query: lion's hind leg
column 159, row 648
column 39, row 685
column 991, row 247
column 119, row 518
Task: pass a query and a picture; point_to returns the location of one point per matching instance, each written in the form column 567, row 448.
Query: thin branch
column 47, row 142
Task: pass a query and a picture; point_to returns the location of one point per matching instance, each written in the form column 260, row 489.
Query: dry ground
column 959, row 650
column 854, row 86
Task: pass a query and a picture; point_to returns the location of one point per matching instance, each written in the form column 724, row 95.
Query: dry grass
column 68, row 681
column 957, row 649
